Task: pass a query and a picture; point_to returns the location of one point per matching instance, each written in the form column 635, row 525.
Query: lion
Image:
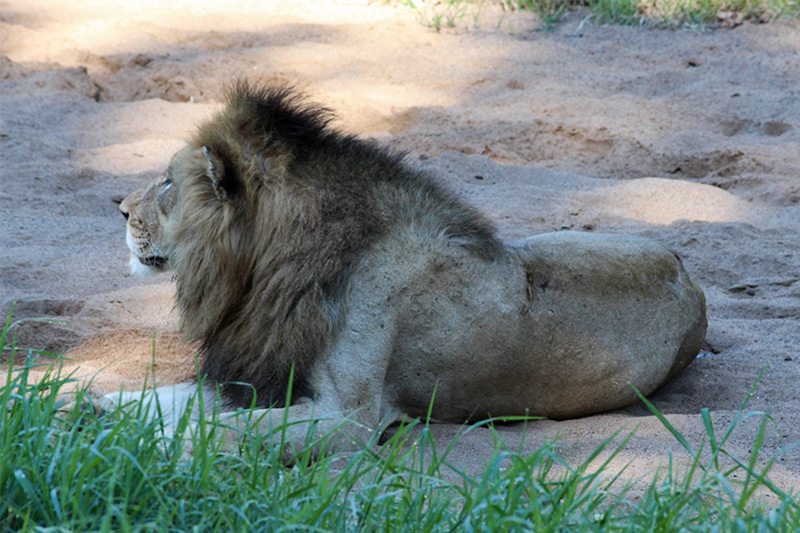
column 310, row 260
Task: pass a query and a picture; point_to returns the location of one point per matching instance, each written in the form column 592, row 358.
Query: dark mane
column 262, row 275
column 279, row 112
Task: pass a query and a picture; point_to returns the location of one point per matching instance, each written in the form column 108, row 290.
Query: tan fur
column 298, row 248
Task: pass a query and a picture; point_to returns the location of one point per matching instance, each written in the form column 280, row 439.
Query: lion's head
column 153, row 212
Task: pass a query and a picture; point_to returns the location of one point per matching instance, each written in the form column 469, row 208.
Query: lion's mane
column 262, row 273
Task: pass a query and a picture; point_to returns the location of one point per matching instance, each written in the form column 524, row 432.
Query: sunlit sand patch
column 663, row 201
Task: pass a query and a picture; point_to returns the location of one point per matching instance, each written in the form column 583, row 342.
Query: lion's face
column 153, row 211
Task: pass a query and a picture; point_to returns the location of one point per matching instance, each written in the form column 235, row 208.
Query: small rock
column 739, row 287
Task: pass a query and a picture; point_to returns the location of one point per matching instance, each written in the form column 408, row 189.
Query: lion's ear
column 215, row 172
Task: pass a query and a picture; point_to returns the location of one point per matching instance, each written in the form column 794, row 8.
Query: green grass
column 64, row 467
column 666, row 13
column 676, row 13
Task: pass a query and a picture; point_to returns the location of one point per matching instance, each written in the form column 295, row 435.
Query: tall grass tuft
column 64, row 466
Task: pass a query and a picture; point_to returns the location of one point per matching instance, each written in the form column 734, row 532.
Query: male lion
column 301, row 251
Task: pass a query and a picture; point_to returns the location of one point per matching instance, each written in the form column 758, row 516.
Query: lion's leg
column 165, row 403
column 349, row 407
column 306, row 425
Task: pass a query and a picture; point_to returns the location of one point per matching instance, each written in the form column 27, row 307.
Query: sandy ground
column 691, row 138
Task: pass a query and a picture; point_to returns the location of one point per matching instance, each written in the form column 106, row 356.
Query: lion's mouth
column 154, row 261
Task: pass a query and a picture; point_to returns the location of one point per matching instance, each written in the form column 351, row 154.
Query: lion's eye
column 166, row 185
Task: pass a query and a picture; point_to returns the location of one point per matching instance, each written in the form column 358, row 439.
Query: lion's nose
column 121, row 204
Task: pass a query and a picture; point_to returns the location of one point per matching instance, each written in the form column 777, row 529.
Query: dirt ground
column 688, row 137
